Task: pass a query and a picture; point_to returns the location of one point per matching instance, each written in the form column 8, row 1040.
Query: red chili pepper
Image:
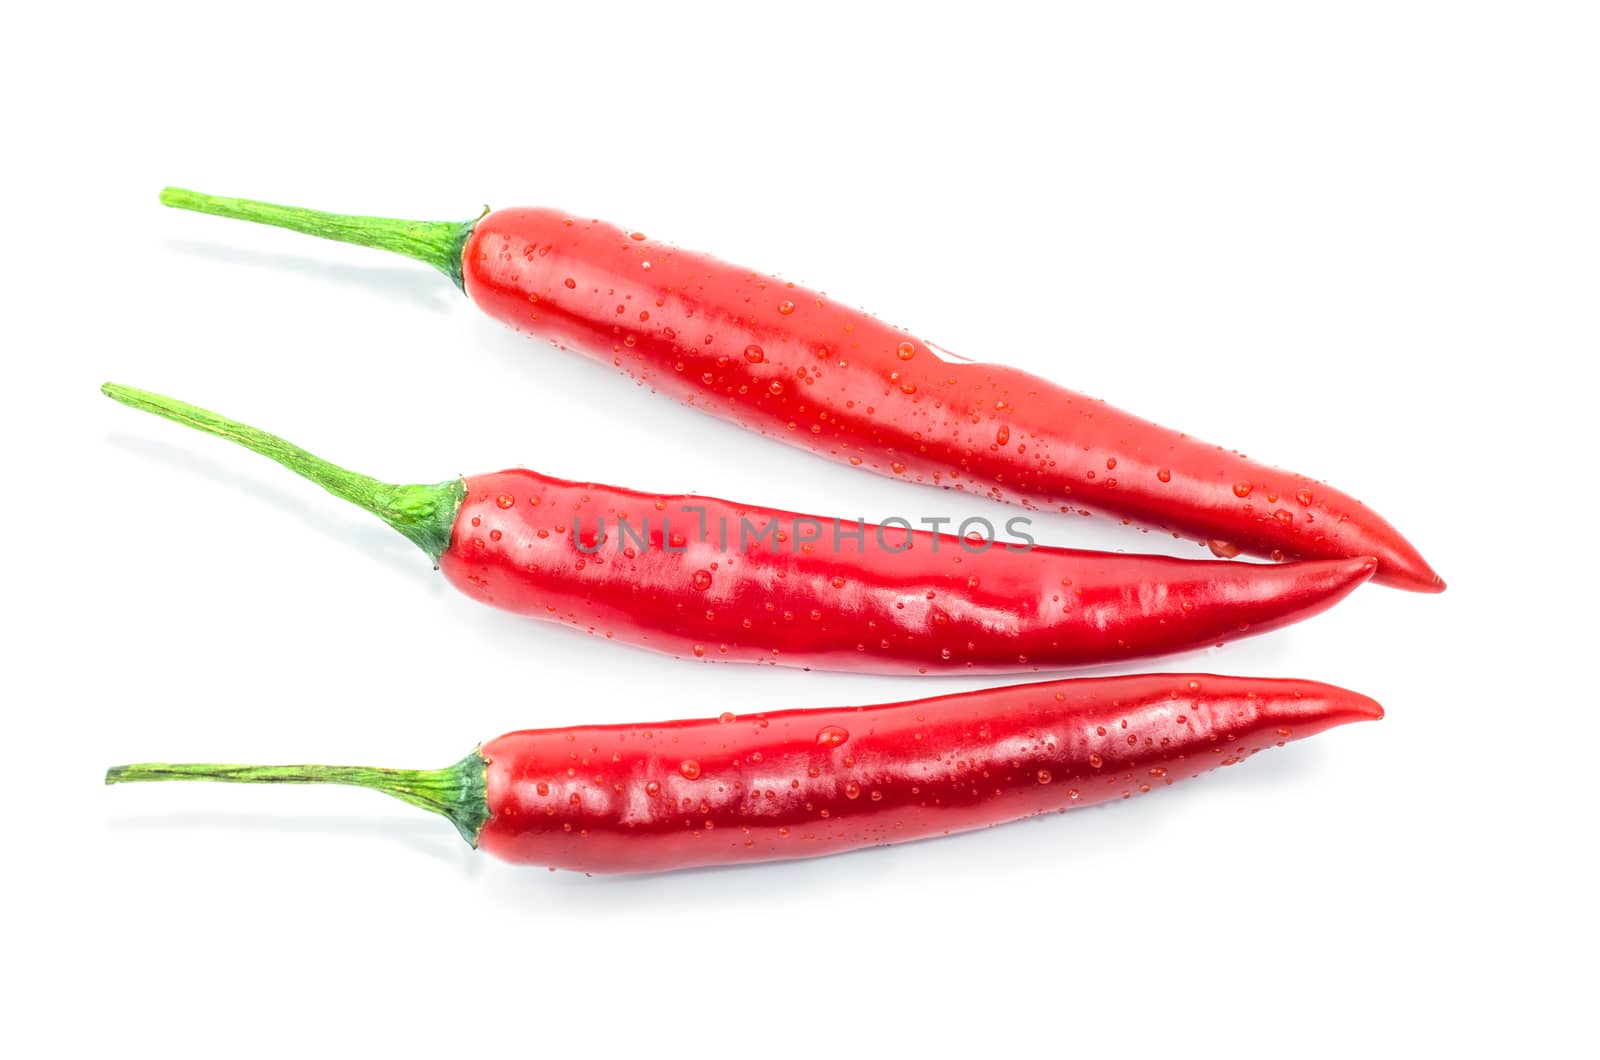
column 787, row 362
column 685, row 579
column 801, row 783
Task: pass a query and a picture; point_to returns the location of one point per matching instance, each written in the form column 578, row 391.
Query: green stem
column 424, row 514
column 458, row 793
column 437, row 243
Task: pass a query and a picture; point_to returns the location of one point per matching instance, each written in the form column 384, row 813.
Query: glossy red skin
column 621, row 798
column 844, row 385
column 516, row 545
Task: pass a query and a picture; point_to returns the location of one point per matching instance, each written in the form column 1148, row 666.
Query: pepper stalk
column 436, row 243
column 458, row 793
column 425, row 514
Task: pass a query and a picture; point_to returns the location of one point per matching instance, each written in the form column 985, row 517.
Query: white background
column 1357, row 240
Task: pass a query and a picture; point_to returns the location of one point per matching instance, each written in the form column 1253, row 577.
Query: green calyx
column 424, row 514
column 437, row 243
column 458, row 793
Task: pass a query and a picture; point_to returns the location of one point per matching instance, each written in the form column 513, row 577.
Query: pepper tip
column 1403, row 567
column 1429, row 582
